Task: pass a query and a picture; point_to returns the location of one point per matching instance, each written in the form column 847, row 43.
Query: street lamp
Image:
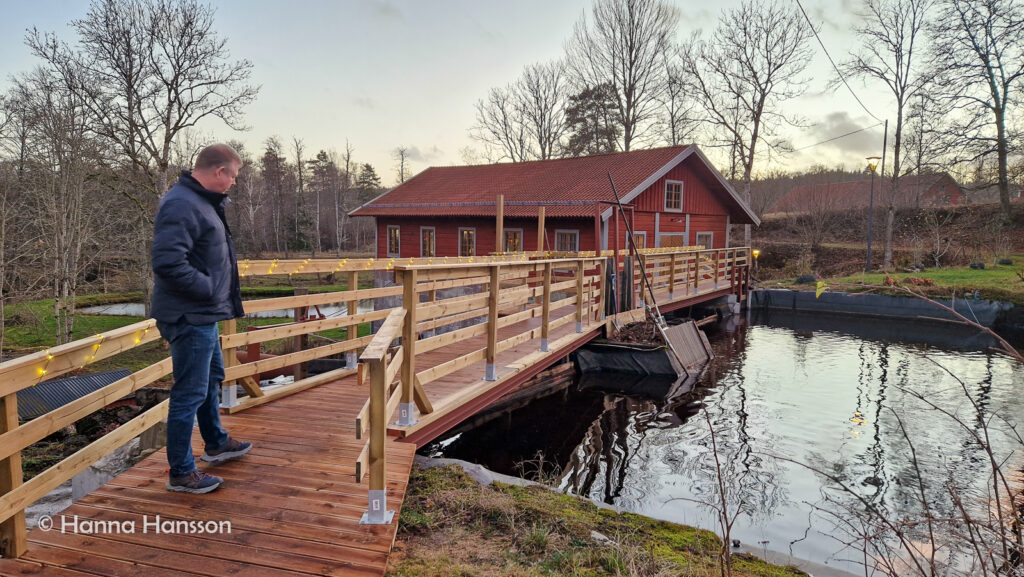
column 756, row 253
column 872, row 165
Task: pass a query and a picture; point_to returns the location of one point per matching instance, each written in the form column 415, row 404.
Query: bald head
column 217, row 167
column 216, row 155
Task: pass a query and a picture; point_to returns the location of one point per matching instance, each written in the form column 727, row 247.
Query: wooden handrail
column 389, row 331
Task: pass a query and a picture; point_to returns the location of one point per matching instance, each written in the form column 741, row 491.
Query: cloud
column 387, row 11
column 416, row 155
column 363, row 102
column 836, row 124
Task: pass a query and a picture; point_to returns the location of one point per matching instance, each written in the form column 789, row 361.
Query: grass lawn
column 30, row 326
column 999, row 283
column 450, row 525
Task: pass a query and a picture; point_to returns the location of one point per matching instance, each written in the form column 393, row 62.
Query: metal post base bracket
column 544, row 346
column 351, row 361
column 378, row 513
column 228, row 396
column 491, row 373
column 579, row 327
column 406, row 415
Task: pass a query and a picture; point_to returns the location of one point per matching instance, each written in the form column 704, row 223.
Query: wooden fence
column 445, row 304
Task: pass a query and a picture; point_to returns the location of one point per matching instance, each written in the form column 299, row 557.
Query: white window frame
column 433, row 236
column 387, row 241
column 522, row 239
column 664, row 196
column 696, row 239
column 461, row 230
column 575, row 232
column 642, row 233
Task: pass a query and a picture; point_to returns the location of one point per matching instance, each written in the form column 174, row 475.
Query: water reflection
column 835, row 394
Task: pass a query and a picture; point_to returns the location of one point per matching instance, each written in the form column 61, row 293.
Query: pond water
column 825, row 392
column 138, row 310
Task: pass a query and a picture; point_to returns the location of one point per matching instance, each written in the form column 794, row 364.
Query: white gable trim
column 664, row 170
column 651, row 180
column 728, row 188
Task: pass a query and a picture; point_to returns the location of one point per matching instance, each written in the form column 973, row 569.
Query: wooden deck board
column 294, row 502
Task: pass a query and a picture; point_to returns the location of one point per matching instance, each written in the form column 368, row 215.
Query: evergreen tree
column 593, row 125
column 368, row 183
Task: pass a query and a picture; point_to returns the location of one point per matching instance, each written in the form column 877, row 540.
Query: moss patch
column 450, row 525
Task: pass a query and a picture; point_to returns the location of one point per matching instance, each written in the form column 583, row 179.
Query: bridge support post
column 352, row 332
column 377, row 512
column 410, row 300
column 580, row 295
column 717, row 261
column 672, row 279
column 13, row 536
column 545, row 317
column 494, row 292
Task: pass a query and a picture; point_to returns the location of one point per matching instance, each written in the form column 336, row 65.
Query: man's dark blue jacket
column 195, row 272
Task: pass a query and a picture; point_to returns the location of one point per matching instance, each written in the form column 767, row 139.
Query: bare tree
column 344, row 198
column 979, row 58
column 622, row 44
column 499, row 124
column 542, row 102
column 146, row 70
column 890, row 41
column 300, row 216
column 679, row 117
column 61, row 184
column 741, row 77
column 401, row 156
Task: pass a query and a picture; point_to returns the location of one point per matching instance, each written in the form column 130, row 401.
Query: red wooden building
column 672, row 197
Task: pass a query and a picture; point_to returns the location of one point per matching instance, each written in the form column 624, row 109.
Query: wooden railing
column 445, row 304
column 466, row 330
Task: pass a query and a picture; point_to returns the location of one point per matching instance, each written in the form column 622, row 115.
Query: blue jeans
column 195, row 395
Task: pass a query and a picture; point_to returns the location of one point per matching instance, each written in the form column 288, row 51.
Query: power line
column 837, row 137
column 825, row 50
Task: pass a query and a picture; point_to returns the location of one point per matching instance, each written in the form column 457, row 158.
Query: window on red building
column 394, row 241
column 567, row 240
column 427, row 241
column 467, row 241
column 673, row 196
column 513, row 240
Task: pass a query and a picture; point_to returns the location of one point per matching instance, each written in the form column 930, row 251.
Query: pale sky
column 382, row 73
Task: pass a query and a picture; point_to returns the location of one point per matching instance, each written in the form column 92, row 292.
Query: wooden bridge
column 332, row 452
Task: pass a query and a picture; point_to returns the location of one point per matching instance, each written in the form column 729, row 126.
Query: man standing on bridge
column 196, row 285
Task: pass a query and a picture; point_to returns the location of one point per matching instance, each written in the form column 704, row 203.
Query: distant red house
column 672, row 196
column 916, row 191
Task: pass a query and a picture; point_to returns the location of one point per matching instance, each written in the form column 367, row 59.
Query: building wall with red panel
column 446, row 232
column 697, row 197
column 701, row 207
column 705, row 211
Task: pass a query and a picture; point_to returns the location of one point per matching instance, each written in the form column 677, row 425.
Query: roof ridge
column 679, row 147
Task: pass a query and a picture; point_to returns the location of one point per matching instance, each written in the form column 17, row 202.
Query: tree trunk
column 1001, row 154
column 890, row 223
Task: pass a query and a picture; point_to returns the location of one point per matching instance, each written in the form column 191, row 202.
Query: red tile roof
column 566, row 187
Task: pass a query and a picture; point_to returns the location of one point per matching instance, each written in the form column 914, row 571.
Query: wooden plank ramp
column 293, row 503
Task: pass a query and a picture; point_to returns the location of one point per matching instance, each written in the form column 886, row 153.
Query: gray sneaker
column 195, row 482
column 231, row 450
